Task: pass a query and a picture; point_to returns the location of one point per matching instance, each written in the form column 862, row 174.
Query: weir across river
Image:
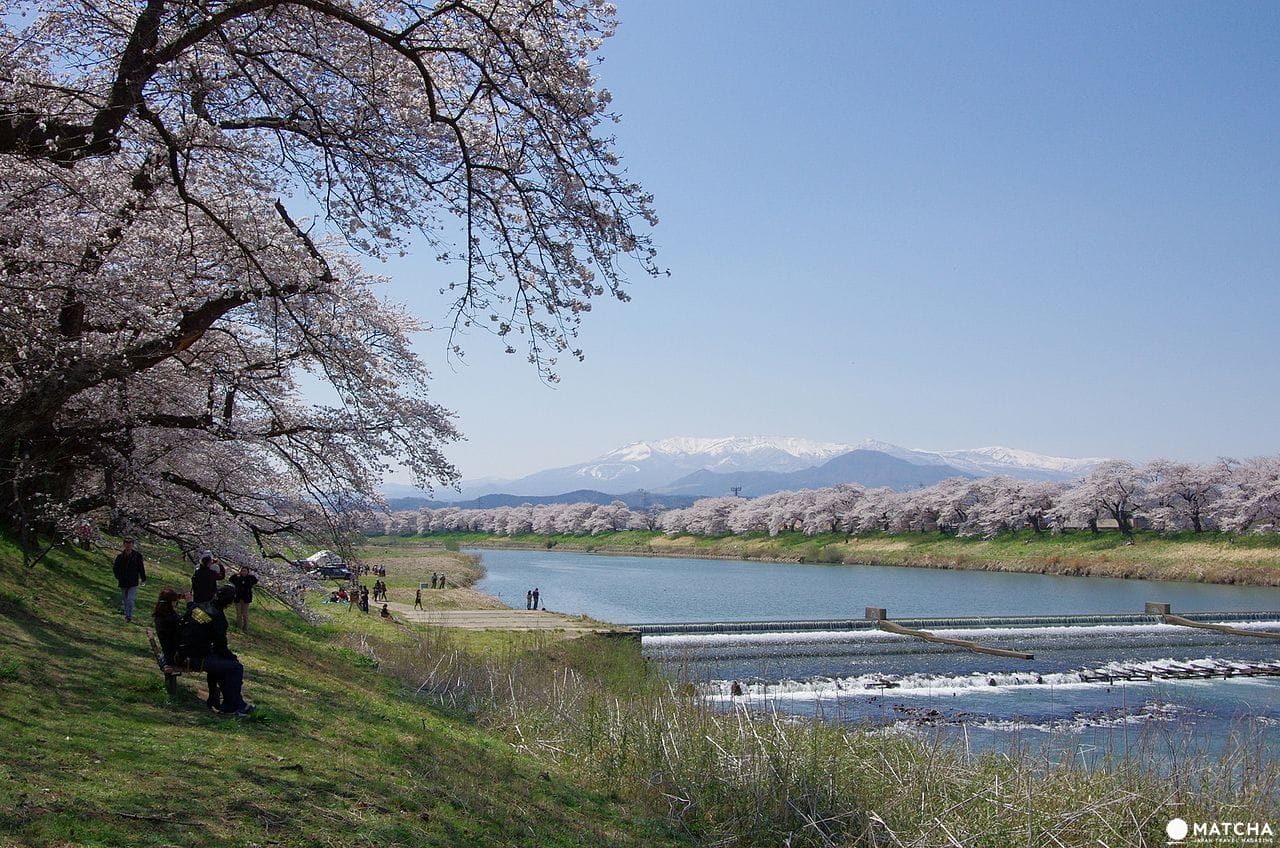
column 940, row 623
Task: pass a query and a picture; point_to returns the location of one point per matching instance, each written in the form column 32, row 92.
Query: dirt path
column 495, row 619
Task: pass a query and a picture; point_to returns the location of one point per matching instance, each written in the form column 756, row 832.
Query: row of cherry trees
column 1238, row 497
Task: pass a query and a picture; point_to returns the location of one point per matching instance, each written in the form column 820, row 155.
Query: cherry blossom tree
column 918, row 511
column 830, row 509
column 780, row 512
column 1018, row 504
column 572, row 519
column 753, row 515
column 1182, row 494
column 545, row 519
column 520, row 520
column 1114, row 488
column 184, row 186
column 705, row 517
column 876, row 511
column 950, row 504
column 1251, row 497
column 608, row 518
column 1077, row 505
column 445, row 520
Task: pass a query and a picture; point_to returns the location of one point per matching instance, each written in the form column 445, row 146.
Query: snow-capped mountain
column 989, row 462
column 657, row 465
column 753, row 453
column 650, row 465
column 995, row 461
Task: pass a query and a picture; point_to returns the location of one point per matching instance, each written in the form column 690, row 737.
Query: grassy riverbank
column 338, row 754
column 1204, row 558
column 375, row 733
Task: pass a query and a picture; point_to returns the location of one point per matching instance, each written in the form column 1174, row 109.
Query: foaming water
column 1096, row 686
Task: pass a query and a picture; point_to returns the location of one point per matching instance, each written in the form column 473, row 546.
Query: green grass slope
column 95, row 754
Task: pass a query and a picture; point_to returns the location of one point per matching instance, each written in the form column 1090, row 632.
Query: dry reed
column 737, row 777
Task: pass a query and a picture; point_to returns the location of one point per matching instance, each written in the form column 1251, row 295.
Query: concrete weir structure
column 1167, row 616
column 944, row 623
column 881, row 617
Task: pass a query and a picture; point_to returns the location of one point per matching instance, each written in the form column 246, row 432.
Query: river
column 904, row 683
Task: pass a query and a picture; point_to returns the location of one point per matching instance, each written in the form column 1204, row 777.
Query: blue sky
column 1044, row 225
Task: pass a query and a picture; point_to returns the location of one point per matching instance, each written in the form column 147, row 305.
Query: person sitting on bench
column 203, row 646
column 168, row 626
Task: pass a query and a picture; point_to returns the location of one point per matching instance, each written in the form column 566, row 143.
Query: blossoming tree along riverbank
column 1237, row 497
column 185, row 187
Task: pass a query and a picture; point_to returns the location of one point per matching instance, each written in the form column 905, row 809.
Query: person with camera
column 203, row 647
column 204, row 582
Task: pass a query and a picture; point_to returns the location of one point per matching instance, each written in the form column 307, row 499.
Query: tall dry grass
column 742, row 778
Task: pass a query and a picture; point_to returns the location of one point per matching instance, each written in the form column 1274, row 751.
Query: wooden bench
column 171, row 672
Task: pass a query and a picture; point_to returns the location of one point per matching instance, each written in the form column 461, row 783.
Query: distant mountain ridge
column 652, row 465
column 638, row 500
column 873, row 469
column 1025, row 465
column 699, row 467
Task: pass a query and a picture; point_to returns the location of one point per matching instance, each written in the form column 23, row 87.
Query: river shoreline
column 1216, row 560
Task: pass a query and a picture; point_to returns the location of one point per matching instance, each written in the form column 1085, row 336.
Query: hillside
column 337, row 754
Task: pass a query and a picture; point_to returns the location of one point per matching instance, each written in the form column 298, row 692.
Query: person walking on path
column 204, row 582
column 417, row 599
column 244, row 583
column 130, row 572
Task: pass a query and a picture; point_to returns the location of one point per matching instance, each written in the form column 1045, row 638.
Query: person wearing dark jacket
column 168, row 626
column 244, row 583
column 129, row 572
column 204, row 647
column 204, row 582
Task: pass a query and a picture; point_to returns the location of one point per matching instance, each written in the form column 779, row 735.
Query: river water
column 869, row 676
